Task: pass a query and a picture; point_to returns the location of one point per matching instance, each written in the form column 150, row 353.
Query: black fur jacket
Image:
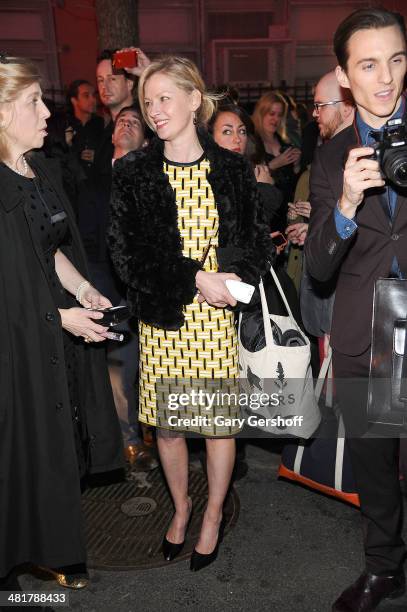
column 145, row 242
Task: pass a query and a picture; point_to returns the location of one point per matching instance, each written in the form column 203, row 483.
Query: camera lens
column 401, row 174
column 395, row 168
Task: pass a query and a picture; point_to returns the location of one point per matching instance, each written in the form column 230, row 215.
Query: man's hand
column 359, row 174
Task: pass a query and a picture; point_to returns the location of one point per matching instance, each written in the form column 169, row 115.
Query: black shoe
column 171, row 550
column 199, row 560
column 369, row 590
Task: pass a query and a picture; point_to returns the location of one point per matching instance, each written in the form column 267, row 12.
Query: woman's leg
column 220, row 459
column 173, row 452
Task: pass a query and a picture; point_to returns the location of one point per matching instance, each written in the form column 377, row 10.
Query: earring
column 195, row 121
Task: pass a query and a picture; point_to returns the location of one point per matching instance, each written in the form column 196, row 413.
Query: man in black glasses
column 333, row 106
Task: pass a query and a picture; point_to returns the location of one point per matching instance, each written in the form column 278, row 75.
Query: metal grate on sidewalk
column 126, row 522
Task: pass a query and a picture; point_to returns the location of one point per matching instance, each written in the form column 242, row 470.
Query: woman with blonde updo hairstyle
column 51, row 376
column 185, row 219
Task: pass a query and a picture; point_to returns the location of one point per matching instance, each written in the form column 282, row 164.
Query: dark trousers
column 375, row 463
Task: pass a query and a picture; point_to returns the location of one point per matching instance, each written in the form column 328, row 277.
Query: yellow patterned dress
column 204, row 352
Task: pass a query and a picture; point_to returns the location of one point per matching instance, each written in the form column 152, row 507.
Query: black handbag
column 387, row 397
column 322, row 463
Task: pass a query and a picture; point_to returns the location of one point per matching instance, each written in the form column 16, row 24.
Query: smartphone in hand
column 125, row 59
column 279, row 240
column 113, row 316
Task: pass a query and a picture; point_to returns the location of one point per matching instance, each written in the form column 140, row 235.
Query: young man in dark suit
column 358, row 230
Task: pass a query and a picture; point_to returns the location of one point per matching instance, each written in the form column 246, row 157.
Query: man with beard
column 333, row 106
column 333, row 111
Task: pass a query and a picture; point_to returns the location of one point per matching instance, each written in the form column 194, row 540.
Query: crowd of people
column 153, row 203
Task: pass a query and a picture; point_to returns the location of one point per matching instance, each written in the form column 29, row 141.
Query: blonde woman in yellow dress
column 173, row 204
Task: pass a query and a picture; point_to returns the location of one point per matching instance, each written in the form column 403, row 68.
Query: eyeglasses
column 319, row 105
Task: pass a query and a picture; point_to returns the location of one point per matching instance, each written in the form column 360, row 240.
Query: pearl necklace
column 25, row 167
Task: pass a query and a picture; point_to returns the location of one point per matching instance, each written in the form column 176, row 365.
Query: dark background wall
column 240, row 41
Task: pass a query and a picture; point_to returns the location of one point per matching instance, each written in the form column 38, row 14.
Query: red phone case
column 125, row 59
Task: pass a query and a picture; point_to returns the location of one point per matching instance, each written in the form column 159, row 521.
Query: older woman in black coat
column 57, row 417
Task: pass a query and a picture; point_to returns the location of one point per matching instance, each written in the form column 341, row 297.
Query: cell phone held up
column 125, row 59
column 279, row 240
column 113, row 316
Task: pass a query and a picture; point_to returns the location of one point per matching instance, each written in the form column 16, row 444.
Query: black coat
column 40, row 504
column 145, row 242
column 93, row 201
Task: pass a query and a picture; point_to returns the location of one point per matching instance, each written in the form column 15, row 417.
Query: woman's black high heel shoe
column 171, row 550
column 199, row 561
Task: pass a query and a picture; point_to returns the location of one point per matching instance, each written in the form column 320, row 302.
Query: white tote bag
column 277, row 380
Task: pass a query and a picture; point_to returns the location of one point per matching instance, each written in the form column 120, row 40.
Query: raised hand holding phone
column 131, row 59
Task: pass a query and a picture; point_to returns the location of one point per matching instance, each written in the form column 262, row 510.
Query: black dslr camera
column 391, row 151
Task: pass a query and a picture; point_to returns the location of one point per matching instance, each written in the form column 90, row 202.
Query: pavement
column 292, row 550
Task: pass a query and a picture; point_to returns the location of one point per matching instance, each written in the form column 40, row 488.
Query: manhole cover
column 126, row 522
column 138, row 506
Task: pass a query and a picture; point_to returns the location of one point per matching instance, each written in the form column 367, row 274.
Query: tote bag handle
column 266, row 315
column 323, row 372
column 281, row 292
